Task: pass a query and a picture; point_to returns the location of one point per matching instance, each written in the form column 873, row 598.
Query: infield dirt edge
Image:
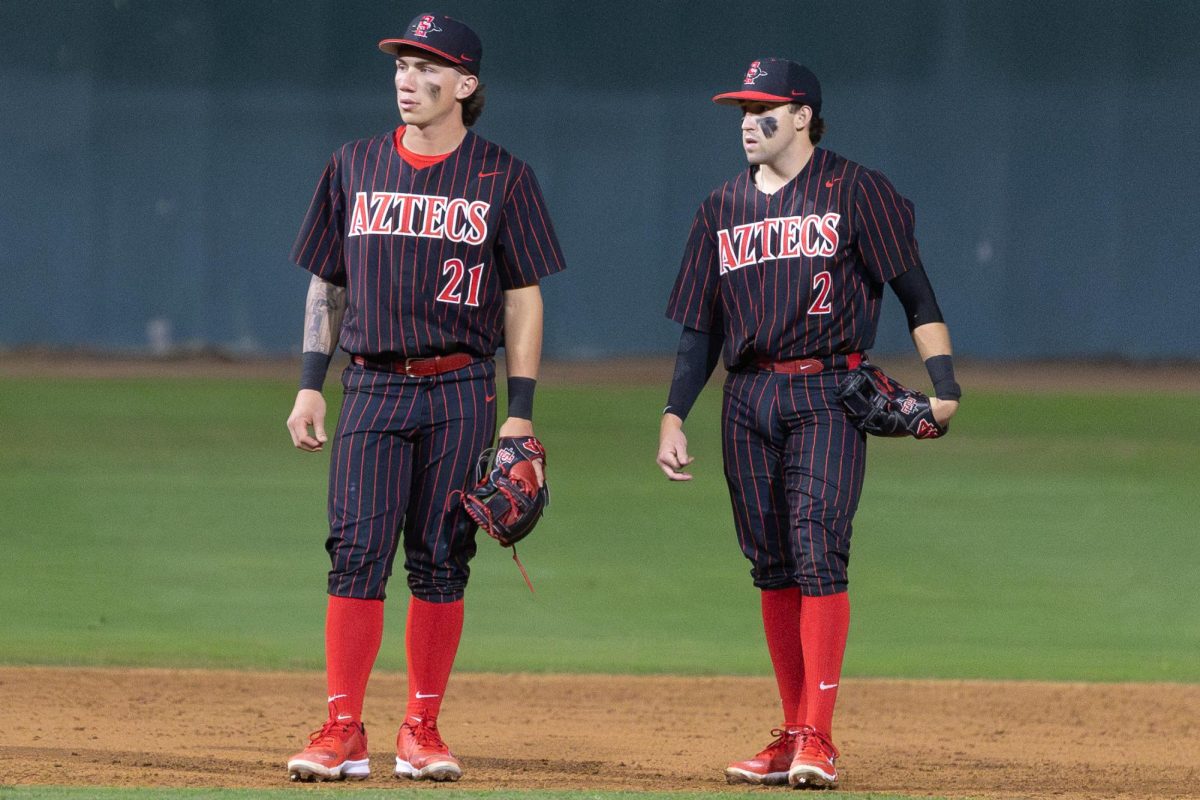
column 963, row 738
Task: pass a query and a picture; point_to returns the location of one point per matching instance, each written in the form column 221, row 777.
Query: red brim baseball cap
column 444, row 37
column 776, row 80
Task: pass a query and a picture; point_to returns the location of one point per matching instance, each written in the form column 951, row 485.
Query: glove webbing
column 486, row 513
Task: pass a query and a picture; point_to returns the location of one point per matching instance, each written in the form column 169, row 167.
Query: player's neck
column 435, row 138
column 778, row 172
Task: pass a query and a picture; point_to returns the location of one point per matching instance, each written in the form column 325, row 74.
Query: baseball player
column 783, row 274
column 426, row 245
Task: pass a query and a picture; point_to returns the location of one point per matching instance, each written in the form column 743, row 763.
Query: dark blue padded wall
column 159, row 156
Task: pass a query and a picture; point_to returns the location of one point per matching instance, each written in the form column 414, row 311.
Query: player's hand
column 515, row 426
column 672, row 449
column 308, row 411
column 943, row 410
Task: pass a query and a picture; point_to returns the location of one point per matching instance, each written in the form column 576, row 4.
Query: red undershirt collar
column 416, row 160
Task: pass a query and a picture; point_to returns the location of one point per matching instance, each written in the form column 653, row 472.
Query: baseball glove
column 507, row 501
column 880, row 406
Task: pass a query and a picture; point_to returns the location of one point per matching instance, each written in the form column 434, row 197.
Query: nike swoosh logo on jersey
column 829, row 183
column 487, row 398
column 827, row 686
column 490, row 174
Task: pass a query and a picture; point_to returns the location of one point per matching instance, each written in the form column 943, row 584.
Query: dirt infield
column 1013, row 376
column 109, row 727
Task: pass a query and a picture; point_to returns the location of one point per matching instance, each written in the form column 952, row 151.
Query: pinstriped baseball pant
column 402, row 448
column 795, row 466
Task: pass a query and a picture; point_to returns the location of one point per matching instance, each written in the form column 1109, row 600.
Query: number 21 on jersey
column 453, row 272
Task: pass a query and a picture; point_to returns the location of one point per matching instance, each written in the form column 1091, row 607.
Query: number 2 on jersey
column 822, row 284
column 451, row 293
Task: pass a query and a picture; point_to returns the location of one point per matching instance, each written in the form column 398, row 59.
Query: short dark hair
column 472, row 107
column 816, row 125
column 816, row 129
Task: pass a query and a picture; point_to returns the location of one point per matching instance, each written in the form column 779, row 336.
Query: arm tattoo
column 323, row 312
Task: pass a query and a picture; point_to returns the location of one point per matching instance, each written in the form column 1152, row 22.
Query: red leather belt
column 811, row 366
column 417, row 367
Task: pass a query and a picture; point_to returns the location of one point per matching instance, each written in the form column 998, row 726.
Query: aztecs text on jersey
column 798, row 273
column 426, row 254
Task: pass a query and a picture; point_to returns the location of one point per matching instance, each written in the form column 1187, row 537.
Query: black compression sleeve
column 694, row 364
column 916, row 295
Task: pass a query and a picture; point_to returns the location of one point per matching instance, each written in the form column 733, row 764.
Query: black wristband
column 520, row 397
column 941, row 372
column 313, row 367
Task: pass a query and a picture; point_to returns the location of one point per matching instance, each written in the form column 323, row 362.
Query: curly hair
column 472, row 107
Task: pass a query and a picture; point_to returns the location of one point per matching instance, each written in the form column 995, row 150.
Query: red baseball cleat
column 770, row 767
column 338, row 750
column 422, row 755
column 813, row 765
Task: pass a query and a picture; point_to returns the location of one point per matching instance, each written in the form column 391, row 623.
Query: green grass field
column 170, row 522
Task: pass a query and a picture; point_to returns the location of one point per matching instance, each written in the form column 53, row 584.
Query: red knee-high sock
column 431, row 639
column 824, row 623
column 781, row 623
column 353, row 630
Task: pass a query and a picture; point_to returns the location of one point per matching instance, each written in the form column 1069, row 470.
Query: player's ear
column 466, row 86
column 803, row 117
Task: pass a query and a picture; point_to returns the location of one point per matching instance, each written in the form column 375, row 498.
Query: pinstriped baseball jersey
column 425, row 254
column 797, row 273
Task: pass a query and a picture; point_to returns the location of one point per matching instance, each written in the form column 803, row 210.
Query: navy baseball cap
column 776, row 80
column 443, row 36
